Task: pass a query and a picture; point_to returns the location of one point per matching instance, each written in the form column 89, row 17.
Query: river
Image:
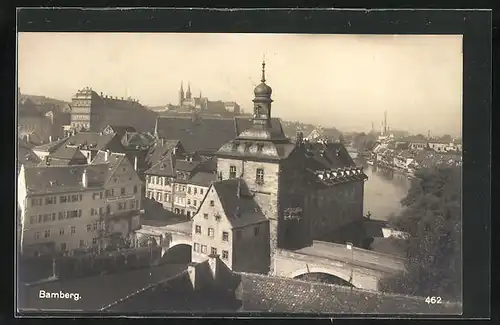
column 384, row 190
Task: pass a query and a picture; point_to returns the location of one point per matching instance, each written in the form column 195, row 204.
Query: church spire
column 188, row 92
column 263, row 70
column 181, row 94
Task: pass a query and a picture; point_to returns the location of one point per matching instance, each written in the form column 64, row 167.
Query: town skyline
column 417, row 79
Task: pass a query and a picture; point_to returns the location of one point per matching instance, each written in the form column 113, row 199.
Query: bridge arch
column 178, row 252
column 345, row 276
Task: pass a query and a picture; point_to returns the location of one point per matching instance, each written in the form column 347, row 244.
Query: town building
column 178, row 180
column 31, row 123
column 67, row 207
column 296, row 186
column 230, row 223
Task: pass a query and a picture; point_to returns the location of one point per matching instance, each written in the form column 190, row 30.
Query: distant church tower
column 181, row 95
column 188, row 92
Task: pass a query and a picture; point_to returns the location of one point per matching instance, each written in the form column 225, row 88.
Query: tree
column 432, row 217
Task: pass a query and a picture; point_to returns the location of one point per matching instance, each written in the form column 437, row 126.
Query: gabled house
column 230, row 223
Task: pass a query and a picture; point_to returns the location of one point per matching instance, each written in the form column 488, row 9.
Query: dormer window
column 259, row 176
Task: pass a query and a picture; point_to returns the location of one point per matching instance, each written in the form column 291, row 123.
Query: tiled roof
column 327, row 156
column 242, row 124
column 68, row 153
column 114, row 159
column 243, row 292
column 164, row 167
column 59, row 179
column 257, row 149
column 274, row 294
column 26, row 156
column 204, row 135
column 159, row 150
column 242, row 210
column 51, row 146
column 94, row 140
column 203, row 178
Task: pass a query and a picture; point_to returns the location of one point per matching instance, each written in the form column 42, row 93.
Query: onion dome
column 263, row 90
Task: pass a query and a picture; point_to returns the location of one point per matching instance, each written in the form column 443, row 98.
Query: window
column 79, row 213
column 195, row 190
column 149, row 194
column 232, row 171
column 195, row 203
column 63, row 247
column 158, row 196
column 61, row 231
column 211, row 232
column 189, row 189
column 89, row 227
column 205, row 216
column 225, row 236
column 212, row 203
column 238, row 234
column 132, row 204
column 35, row 202
column 60, row 215
column 213, row 251
column 94, row 241
column 259, row 176
column 82, row 243
column 256, row 231
column 46, row 234
column 204, row 249
column 53, row 216
column 225, row 255
column 219, row 177
column 37, row 235
column 122, row 192
column 50, row 200
column 73, row 230
column 189, row 214
column 196, row 247
column 40, row 218
column 189, row 201
column 135, row 189
column 74, row 198
column 108, row 209
column 63, row 199
column 201, row 191
column 197, row 229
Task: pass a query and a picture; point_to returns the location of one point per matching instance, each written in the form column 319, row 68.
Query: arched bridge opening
column 177, row 254
column 320, row 277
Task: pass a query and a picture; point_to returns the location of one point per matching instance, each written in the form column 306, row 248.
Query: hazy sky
column 346, row 81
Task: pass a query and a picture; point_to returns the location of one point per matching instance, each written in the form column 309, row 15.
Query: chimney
column 50, row 138
column 238, row 189
column 85, row 180
column 162, row 142
column 106, row 155
column 28, row 138
column 193, row 276
column 89, row 160
column 174, row 151
column 135, row 163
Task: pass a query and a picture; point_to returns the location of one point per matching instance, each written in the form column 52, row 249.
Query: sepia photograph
column 239, row 173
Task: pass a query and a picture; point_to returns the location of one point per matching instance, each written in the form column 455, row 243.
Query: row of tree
column 432, row 217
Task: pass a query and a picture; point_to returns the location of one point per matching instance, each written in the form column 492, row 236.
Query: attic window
column 235, row 146
column 247, row 146
column 260, row 147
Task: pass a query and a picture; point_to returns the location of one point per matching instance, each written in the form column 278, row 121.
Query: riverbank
column 381, row 164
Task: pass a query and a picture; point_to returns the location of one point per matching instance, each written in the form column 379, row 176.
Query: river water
column 384, row 190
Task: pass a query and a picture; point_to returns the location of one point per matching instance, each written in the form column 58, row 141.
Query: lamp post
column 350, row 247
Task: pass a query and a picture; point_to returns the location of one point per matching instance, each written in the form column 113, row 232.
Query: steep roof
column 51, row 146
column 257, row 149
column 159, row 150
column 203, row 179
column 330, row 155
column 60, row 179
column 204, row 135
column 113, row 161
column 68, row 153
column 240, row 211
column 94, row 140
column 164, row 167
column 26, row 156
column 245, row 123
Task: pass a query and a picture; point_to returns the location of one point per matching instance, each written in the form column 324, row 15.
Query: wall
column 333, row 207
column 152, row 189
column 193, row 201
column 72, row 241
column 250, row 251
column 219, row 227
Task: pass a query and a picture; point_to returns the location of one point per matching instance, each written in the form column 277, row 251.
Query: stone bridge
column 362, row 268
column 167, row 236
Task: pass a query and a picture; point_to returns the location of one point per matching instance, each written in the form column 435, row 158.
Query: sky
column 345, row 81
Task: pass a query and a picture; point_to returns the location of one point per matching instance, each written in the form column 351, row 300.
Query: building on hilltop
column 32, row 125
column 66, row 207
